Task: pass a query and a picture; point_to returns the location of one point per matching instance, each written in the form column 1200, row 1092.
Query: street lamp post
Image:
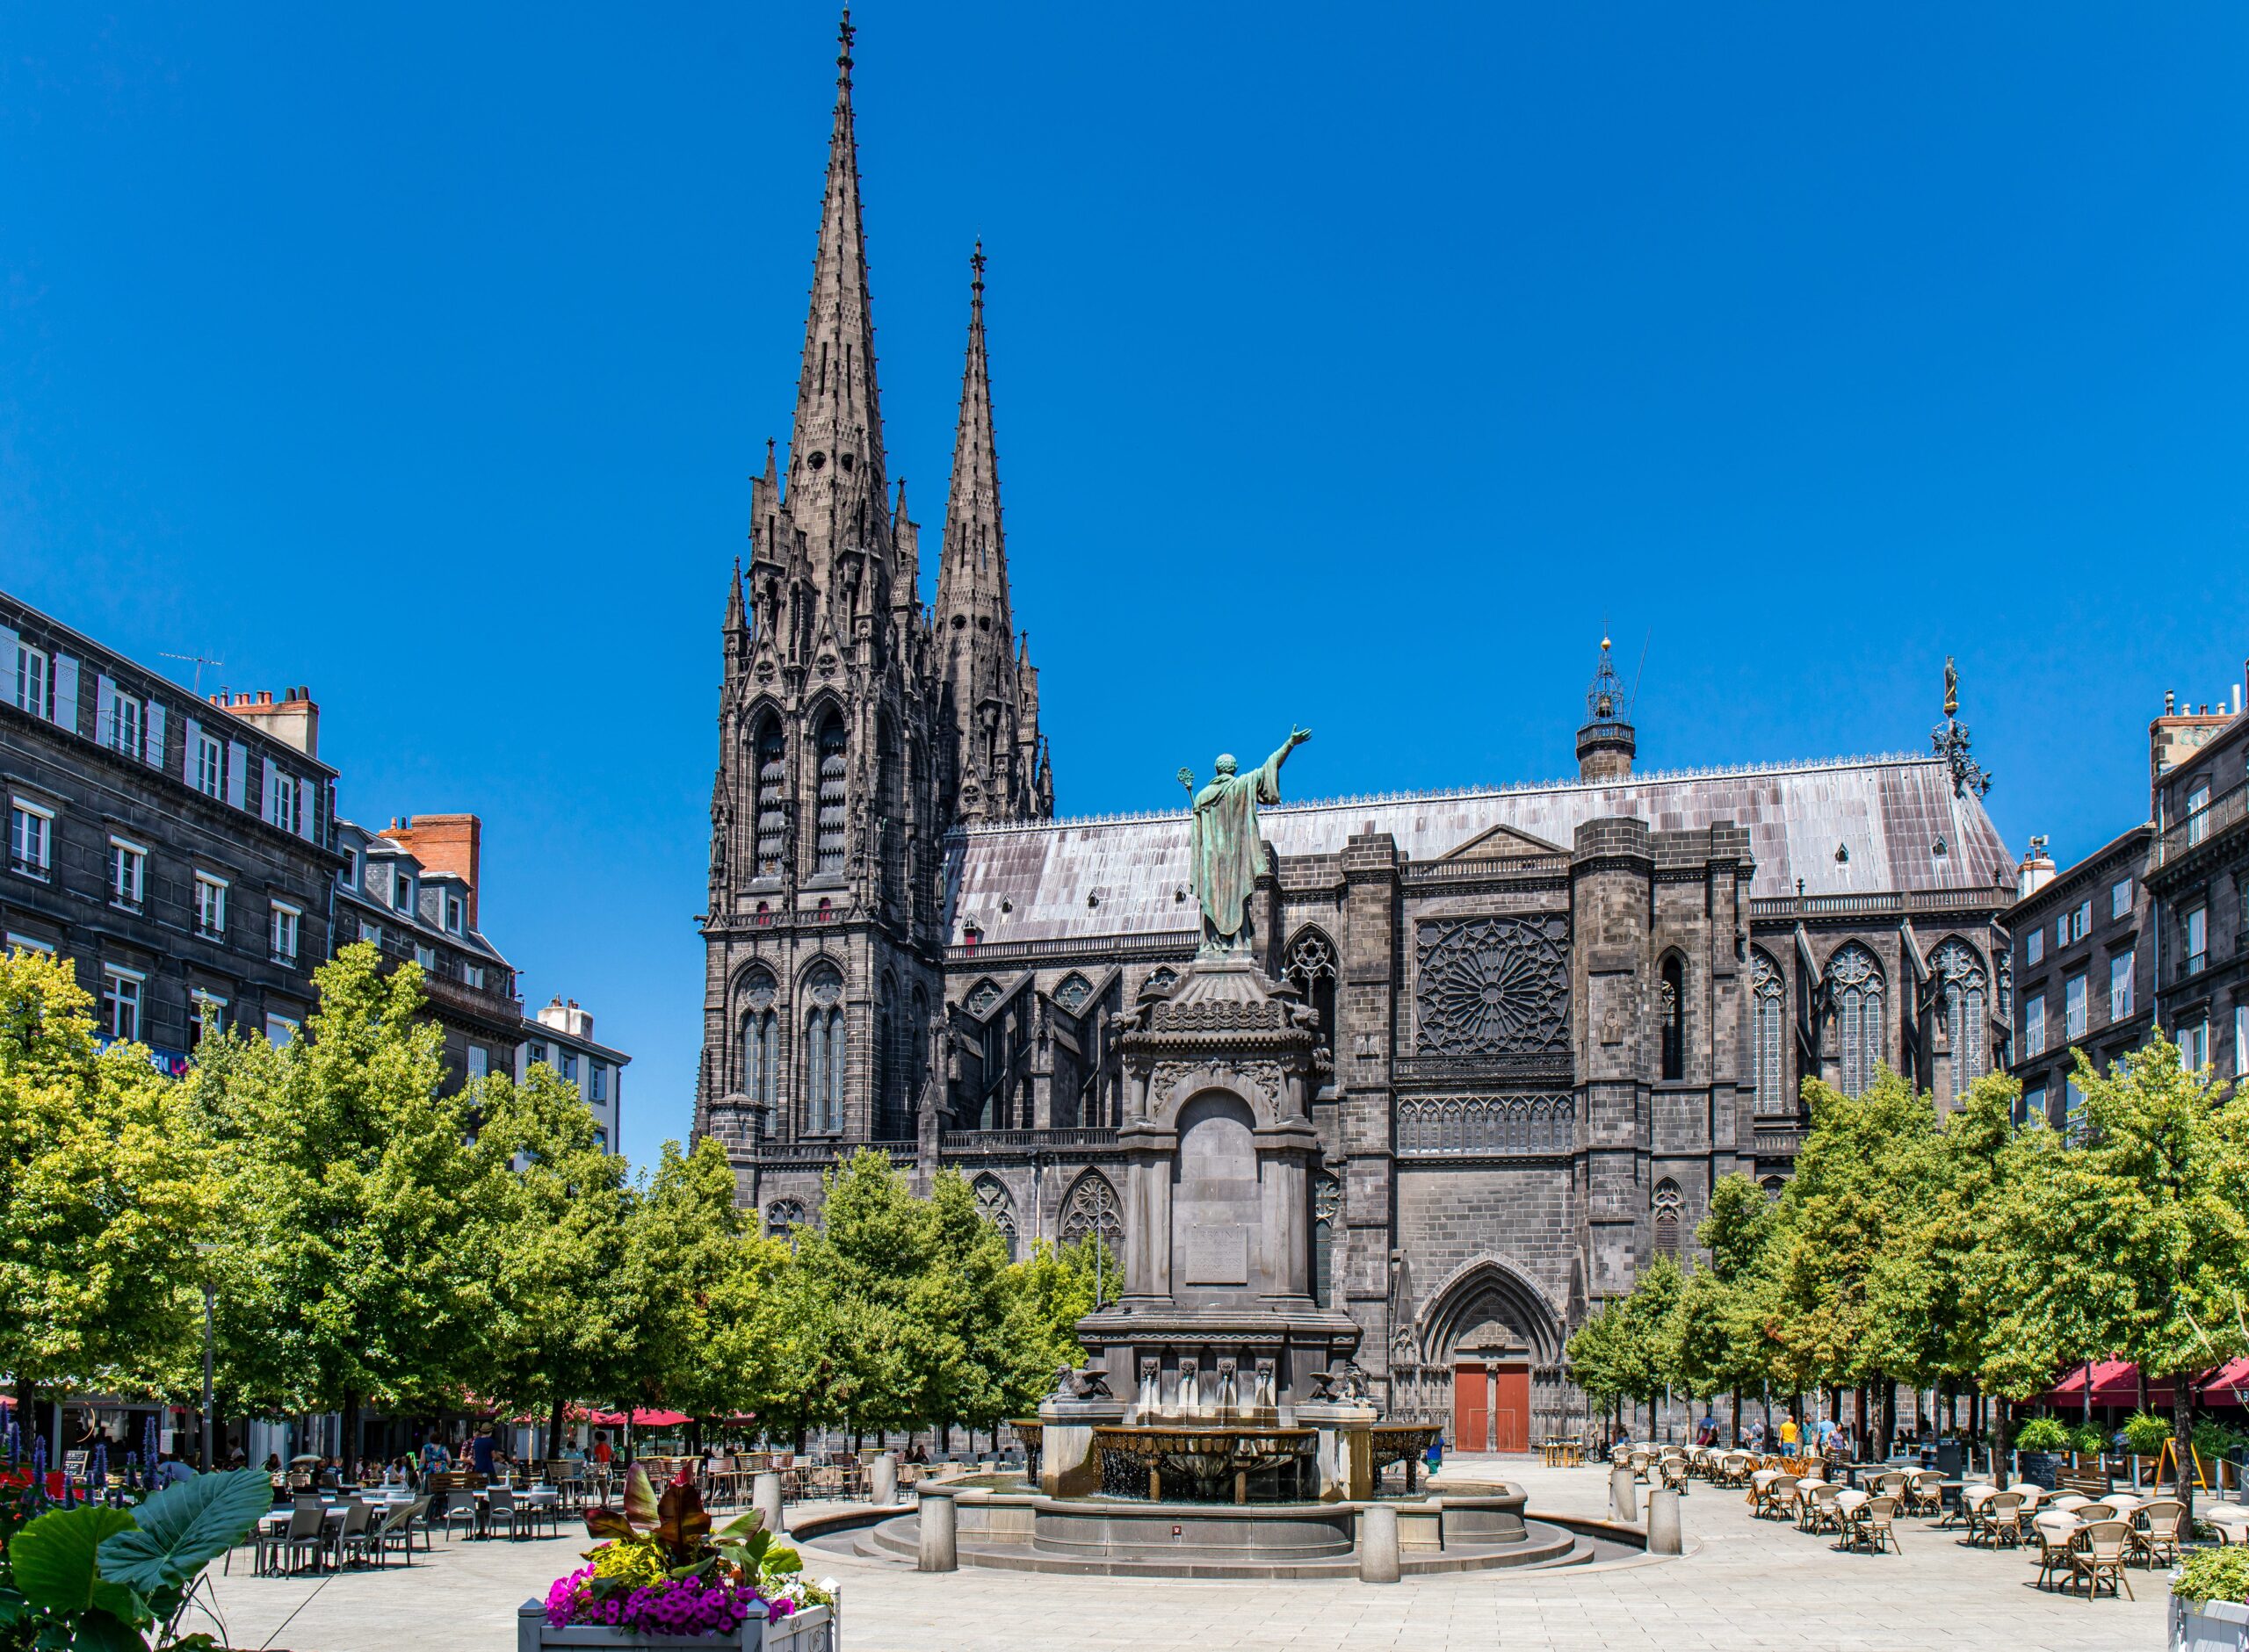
column 210, row 1295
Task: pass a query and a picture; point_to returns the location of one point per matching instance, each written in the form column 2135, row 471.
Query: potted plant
column 662, row 1577
column 2209, row 1601
column 115, row 1578
column 2038, row 1444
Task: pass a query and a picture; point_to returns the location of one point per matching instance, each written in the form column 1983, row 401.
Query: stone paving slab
column 1751, row 1585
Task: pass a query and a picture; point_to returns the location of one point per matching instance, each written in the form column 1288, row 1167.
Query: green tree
column 103, row 1194
column 857, row 1270
column 351, row 1266
column 1648, row 1339
column 558, row 1214
column 2142, row 1226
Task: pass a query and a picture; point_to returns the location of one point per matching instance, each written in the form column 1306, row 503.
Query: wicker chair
column 2099, row 1553
column 2163, row 1523
column 1999, row 1520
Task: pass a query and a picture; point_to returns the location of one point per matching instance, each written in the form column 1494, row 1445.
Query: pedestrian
column 482, row 1451
column 1788, row 1434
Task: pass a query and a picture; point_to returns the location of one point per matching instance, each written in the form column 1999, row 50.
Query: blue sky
column 1352, row 368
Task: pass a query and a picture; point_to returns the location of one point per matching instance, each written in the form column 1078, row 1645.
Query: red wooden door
column 1471, row 1416
column 1511, row 1411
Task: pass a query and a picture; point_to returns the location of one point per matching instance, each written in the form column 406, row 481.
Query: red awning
column 2116, row 1383
column 658, row 1419
column 2228, row 1385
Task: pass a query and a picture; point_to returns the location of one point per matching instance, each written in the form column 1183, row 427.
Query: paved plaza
column 1745, row 1584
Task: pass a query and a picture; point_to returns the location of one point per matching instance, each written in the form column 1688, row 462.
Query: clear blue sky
column 1353, row 367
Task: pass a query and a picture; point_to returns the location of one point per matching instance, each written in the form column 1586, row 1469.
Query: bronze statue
column 1227, row 854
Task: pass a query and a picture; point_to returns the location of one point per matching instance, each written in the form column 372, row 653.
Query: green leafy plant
column 2214, row 1574
column 2041, row 1433
column 2145, row 1432
column 2088, row 1439
column 104, row 1578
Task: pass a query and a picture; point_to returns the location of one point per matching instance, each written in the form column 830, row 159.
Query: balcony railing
column 2222, row 814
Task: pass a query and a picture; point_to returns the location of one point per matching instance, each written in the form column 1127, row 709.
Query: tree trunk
column 1737, row 1414
column 349, row 1448
column 2182, row 1434
column 554, row 1430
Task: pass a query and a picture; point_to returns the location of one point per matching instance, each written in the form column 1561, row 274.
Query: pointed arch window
column 772, row 799
column 997, row 1207
column 831, row 795
column 783, row 1218
column 1091, row 1211
column 1768, row 1012
column 1961, row 981
column 1855, row 993
column 1671, row 1008
column 1312, row 971
column 1669, row 1205
column 761, row 1045
column 827, row 1051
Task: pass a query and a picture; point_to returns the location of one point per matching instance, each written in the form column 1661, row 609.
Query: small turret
column 1606, row 743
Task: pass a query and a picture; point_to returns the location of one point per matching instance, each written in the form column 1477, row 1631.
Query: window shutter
column 237, row 773
column 269, row 794
column 305, row 811
column 66, row 693
column 194, row 738
column 9, row 644
column 152, row 723
column 105, row 709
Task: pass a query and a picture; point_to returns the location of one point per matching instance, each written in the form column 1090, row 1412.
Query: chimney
column 293, row 719
column 444, row 843
column 2037, row 870
column 567, row 1018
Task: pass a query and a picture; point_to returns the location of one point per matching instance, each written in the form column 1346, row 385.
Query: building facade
column 561, row 1035
column 1550, row 1017
column 177, row 854
column 2084, row 968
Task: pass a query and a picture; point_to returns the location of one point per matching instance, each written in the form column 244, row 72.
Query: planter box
column 811, row 1630
column 2209, row 1626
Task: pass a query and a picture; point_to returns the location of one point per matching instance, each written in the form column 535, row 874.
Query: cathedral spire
column 973, row 579
column 836, row 491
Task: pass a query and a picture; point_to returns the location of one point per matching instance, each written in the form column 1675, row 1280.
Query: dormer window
column 401, row 892
column 455, row 910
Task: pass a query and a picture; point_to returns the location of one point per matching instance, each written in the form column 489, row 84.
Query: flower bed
column 663, row 1578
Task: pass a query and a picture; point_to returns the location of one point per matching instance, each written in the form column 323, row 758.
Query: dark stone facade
column 1549, row 1017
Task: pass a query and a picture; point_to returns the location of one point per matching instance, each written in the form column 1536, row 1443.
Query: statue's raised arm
column 1227, row 851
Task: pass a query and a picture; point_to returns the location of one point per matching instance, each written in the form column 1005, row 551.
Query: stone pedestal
column 1346, row 1452
column 940, row 1550
column 1378, row 1544
column 882, row 1480
column 1664, row 1535
column 1068, row 1467
column 765, row 1498
column 1624, row 1493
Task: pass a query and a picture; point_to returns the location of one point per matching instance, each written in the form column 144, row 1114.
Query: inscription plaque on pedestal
column 1218, row 1256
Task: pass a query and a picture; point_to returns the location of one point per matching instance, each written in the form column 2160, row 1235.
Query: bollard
column 765, row 1498
column 1378, row 1544
column 940, row 1547
column 1624, row 1495
column 882, row 1480
column 1664, row 1537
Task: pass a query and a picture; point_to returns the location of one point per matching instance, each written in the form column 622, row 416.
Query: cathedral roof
column 1128, row 875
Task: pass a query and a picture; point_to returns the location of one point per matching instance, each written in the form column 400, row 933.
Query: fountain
column 1221, row 1426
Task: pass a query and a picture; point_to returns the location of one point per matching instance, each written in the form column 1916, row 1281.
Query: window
column 2120, row 986
column 280, row 799
column 31, row 838
column 2119, row 899
column 480, row 1062
column 279, row 1030
column 1667, row 1203
column 831, row 795
column 122, row 733
column 288, row 920
column 210, row 906
column 598, row 1076
column 30, row 943
column 349, row 876
column 121, row 1003
column 455, row 907
column 1671, row 993
column 772, row 800
column 760, row 1053
column 427, row 957
column 2240, row 1044
column 2198, row 812
column 827, row 1051
column 1960, row 974
column 2197, row 941
column 2078, row 920
column 401, row 892
column 372, row 934
column 2033, row 1025
column 473, row 974
column 2072, row 1107
column 570, row 1065
column 2034, row 946
column 1766, row 993
column 2034, row 1105
column 128, row 865
column 1311, row 970
column 1855, row 990
column 207, row 1017
column 210, row 766
column 601, row 1140
column 30, row 680
column 2195, row 1045
column 2073, row 1006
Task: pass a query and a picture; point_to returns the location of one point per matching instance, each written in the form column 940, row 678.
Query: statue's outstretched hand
column 1298, row 736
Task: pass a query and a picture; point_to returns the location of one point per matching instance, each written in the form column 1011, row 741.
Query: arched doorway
column 1501, row 1338
column 1490, row 1392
